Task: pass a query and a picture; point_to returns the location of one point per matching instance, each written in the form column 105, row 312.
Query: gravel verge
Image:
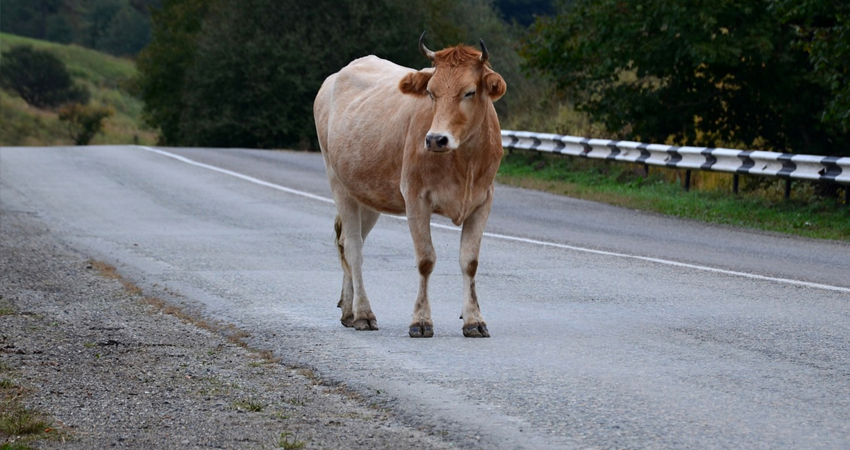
column 109, row 367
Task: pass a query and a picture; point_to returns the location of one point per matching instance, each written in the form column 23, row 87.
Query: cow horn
column 485, row 55
column 422, row 48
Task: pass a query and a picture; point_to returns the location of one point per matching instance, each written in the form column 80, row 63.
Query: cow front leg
column 470, row 244
column 421, row 324
column 360, row 314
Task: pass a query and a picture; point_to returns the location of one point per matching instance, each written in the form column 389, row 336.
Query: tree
column 697, row 73
column 163, row 64
column 822, row 30
column 39, row 77
column 127, row 33
column 260, row 63
column 228, row 73
column 27, row 17
column 99, row 14
column 83, row 122
column 120, row 27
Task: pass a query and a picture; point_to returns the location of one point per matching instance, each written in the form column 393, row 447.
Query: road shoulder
column 108, row 366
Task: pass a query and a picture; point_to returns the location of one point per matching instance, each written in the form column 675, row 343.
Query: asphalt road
column 611, row 328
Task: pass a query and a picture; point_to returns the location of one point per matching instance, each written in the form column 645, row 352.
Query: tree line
column 245, row 73
column 117, row 27
column 765, row 74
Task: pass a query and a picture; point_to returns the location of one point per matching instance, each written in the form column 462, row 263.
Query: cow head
column 461, row 86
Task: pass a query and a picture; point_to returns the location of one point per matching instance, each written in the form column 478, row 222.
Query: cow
column 400, row 141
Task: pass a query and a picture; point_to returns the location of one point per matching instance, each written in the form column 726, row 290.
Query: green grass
column 759, row 206
column 104, row 75
column 6, row 308
column 290, row 444
column 250, row 405
column 19, row 421
column 85, row 64
column 15, row 446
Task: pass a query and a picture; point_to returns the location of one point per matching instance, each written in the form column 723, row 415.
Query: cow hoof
column 347, row 322
column 421, row 331
column 476, row 331
column 366, row 325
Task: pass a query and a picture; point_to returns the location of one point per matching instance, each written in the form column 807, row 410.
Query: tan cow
column 401, row 141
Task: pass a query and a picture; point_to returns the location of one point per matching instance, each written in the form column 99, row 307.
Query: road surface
column 611, row 328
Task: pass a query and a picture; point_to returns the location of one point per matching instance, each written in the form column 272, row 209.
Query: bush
column 83, row 122
column 40, row 78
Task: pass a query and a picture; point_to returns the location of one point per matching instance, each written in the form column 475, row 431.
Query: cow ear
column 415, row 83
column 494, row 85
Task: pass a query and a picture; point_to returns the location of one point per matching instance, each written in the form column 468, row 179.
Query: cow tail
column 341, row 249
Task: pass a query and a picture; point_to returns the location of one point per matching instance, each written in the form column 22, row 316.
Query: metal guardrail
column 751, row 162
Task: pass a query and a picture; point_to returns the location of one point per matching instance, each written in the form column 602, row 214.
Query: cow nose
column 434, row 141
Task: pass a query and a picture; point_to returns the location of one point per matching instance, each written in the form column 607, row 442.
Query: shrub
column 83, row 122
column 40, row 78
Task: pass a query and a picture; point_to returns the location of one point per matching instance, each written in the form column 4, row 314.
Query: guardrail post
column 787, row 188
column 735, row 181
column 687, row 180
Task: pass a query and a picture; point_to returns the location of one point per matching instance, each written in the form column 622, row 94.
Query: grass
column 15, row 446
column 6, row 308
column 759, row 206
column 290, row 444
column 250, row 405
column 20, row 421
column 104, row 75
column 19, row 424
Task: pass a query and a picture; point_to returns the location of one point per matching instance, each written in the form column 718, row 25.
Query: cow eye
column 469, row 94
column 430, row 94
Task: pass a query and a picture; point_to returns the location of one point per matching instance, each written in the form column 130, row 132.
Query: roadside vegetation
column 759, row 205
column 19, row 425
column 102, row 76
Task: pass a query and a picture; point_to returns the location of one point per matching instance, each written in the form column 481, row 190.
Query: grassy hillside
column 104, row 75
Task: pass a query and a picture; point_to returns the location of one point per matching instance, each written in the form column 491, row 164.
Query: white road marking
column 238, row 175
column 513, row 238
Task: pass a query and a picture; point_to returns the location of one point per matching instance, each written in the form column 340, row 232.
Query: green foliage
column 127, row 33
column 21, row 124
column 697, row 73
column 39, row 77
column 823, row 31
column 259, row 64
column 759, row 206
column 163, row 65
column 83, row 122
column 244, row 74
column 27, row 17
column 120, row 27
column 102, row 74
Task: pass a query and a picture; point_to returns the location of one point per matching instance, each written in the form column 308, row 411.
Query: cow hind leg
column 346, row 297
column 352, row 221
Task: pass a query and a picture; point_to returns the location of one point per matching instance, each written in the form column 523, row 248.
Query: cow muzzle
column 439, row 142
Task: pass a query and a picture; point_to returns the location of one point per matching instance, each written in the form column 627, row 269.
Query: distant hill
column 106, row 77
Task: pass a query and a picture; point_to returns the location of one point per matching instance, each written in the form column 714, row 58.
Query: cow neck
column 471, row 155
